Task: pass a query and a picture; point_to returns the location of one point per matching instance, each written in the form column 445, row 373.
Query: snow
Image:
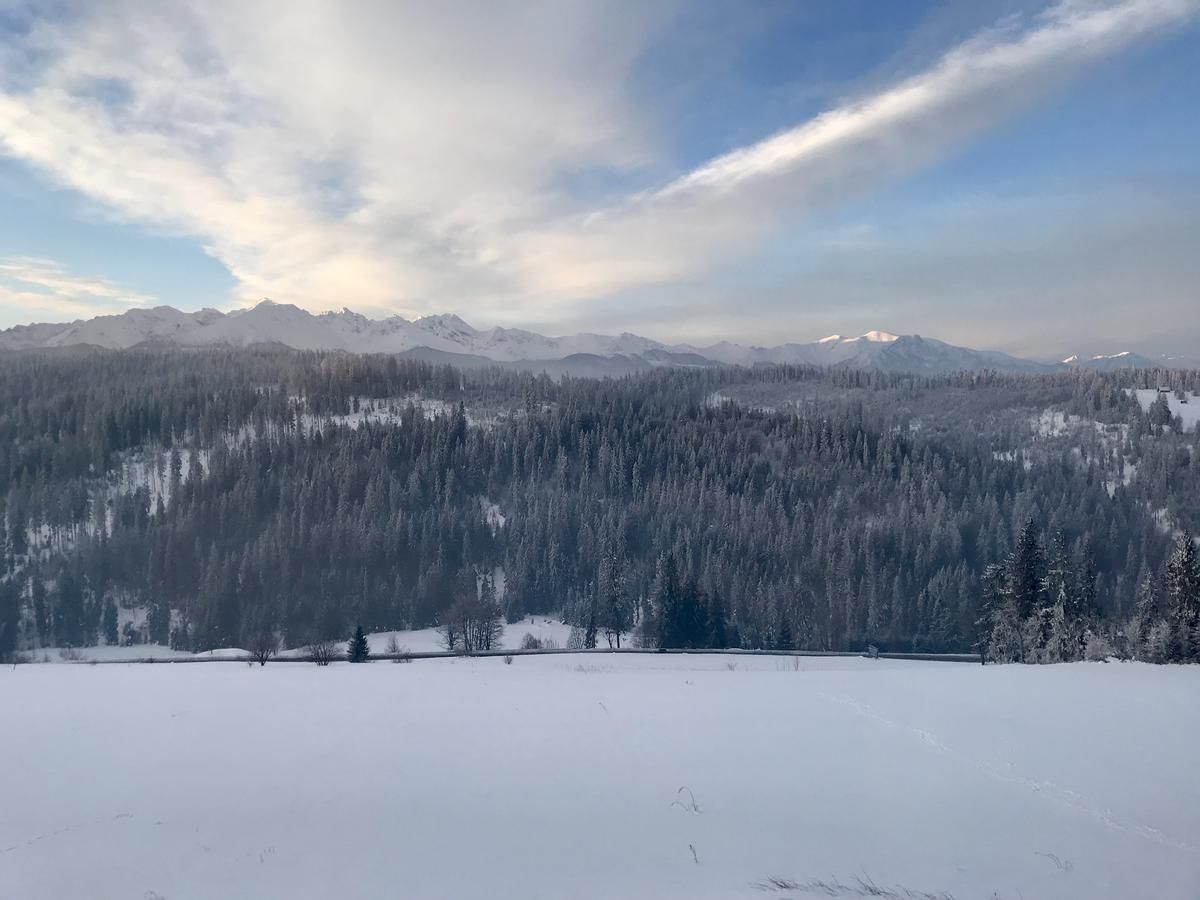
column 597, row 776
column 151, row 469
column 299, row 329
column 132, row 327
column 429, row 640
column 876, row 337
column 379, row 411
column 425, row 640
column 871, row 337
column 493, row 515
column 126, row 653
column 448, row 333
column 1053, row 423
column 1189, row 411
column 349, row 331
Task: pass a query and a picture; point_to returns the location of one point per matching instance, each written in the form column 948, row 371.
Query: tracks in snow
column 999, row 772
column 66, row 829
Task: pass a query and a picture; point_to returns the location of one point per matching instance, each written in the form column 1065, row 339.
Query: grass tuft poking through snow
column 863, row 886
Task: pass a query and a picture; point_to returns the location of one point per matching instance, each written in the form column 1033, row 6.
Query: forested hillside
column 204, row 498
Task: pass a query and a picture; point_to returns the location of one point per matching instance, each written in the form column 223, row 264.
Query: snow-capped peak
column 444, row 322
column 1071, row 360
column 874, row 337
column 879, row 337
column 348, row 331
column 1123, row 353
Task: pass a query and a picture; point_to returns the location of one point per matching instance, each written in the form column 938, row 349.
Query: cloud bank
column 412, row 158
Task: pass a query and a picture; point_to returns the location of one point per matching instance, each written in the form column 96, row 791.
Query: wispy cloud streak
column 713, row 213
column 51, row 277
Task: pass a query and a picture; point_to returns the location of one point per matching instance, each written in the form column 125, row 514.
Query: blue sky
column 1004, row 174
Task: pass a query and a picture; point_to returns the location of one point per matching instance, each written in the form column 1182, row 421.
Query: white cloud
column 407, row 157
column 329, row 152
column 713, row 213
column 968, row 89
column 19, row 307
column 54, row 279
column 43, row 288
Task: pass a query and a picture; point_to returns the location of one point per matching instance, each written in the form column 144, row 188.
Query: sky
column 1022, row 176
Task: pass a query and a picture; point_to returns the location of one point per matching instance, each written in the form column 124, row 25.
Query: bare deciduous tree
column 475, row 621
column 396, row 650
column 451, row 636
column 323, row 651
column 263, row 646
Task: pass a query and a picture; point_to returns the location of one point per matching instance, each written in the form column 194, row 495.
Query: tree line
column 908, row 512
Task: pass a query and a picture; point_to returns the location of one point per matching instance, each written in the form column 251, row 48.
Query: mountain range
column 448, row 339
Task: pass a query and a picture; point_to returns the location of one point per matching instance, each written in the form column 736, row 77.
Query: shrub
column 397, row 651
column 263, row 646
column 530, row 642
column 323, row 652
column 1098, row 648
column 508, row 659
column 1158, row 643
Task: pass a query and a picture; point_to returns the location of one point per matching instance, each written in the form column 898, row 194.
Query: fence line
column 443, row 654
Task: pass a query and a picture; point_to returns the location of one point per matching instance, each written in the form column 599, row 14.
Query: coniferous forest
column 205, row 499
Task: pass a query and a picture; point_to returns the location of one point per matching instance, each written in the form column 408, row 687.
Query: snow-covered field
column 600, row 776
column 425, row 640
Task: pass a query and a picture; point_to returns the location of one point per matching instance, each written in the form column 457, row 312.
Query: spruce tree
column 617, row 612
column 693, row 617
column 10, row 613
column 109, row 624
column 996, row 599
column 69, row 610
column 1026, row 568
column 718, row 626
column 1057, row 583
column 357, row 649
column 1005, row 643
column 783, row 630
column 662, row 622
column 1145, row 615
column 590, row 626
column 1183, row 600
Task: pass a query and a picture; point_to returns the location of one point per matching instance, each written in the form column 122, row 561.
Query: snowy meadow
column 697, row 776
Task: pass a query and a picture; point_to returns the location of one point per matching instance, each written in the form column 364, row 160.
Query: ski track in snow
column 1003, row 772
column 66, row 829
